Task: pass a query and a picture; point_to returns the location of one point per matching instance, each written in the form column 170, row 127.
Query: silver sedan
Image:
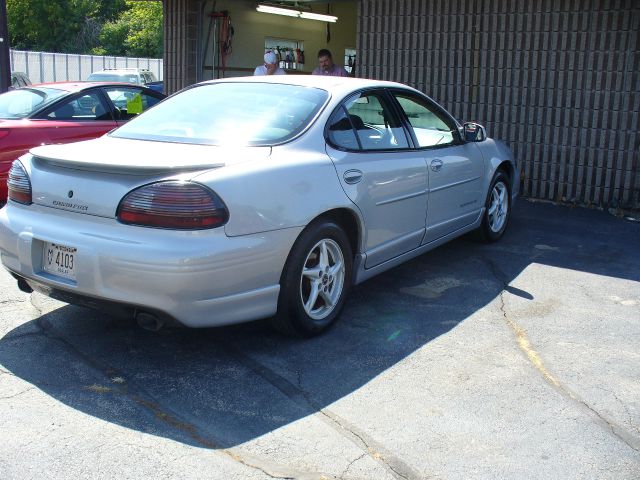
column 250, row 198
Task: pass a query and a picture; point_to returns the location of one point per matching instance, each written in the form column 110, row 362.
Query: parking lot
column 515, row 360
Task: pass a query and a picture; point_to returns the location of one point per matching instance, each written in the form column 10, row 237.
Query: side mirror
column 474, row 132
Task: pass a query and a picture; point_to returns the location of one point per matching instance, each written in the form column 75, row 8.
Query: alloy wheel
column 322, row 279
column 499, row 207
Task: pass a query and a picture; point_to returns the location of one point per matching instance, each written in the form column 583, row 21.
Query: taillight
column 173, row 204
column 18, row 184
column 4, row 132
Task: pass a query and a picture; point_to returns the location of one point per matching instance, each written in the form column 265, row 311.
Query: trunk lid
column 91, row 177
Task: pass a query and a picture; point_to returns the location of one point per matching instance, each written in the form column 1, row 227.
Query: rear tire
column 497, row 209
column 315, row 281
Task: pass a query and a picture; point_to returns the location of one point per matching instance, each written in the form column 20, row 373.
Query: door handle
column 436, row 164
column 352, row 176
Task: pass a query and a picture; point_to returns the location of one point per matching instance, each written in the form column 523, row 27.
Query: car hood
column 119, row 155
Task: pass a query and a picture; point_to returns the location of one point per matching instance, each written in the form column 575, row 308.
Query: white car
column 137, row 76
column 250, row 198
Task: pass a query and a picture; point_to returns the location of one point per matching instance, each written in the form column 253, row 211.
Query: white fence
column 59, row 67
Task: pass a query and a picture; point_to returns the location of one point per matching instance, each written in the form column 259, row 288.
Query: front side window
column 84, row 108
column 231, row 113
column 129, row 102
column 371, row 122
column 429, row 128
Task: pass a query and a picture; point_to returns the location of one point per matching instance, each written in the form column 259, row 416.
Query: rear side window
column 366, row 122
column 25, row 101
column 341, row 131
column 84, row 108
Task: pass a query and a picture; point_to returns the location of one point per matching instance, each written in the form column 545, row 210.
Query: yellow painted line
column 532, row 355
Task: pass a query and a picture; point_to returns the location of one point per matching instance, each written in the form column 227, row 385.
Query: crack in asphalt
column 624, row 407
column 12, row 300
column 344, row 472
column 534, row 358
column 396, row 467
column 17, row 394
column 37, row 308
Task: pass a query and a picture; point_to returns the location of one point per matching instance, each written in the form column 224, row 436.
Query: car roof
column 341, row 84
column 123, row 70
column 79, row 86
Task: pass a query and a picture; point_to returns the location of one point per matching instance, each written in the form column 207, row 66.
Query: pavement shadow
column 221, row 387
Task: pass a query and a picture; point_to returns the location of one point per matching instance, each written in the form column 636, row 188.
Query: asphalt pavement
column 515, row 360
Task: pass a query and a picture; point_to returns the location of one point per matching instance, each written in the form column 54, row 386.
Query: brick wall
column 180, row 43
column 557, row 79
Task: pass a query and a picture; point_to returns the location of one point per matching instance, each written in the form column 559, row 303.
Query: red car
column 64, row 113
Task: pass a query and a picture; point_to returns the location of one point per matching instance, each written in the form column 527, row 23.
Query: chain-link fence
column 60, row 67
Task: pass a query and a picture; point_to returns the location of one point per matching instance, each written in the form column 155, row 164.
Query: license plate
column 60, row 260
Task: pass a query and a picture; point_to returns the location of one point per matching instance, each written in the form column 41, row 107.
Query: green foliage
column 47, row 24
column 109, row 10
column 105, row 27
column 112, row 39
column 138, row 31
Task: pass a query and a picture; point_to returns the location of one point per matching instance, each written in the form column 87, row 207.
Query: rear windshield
column 114, row 77
column 22, row 102
column 229, row 114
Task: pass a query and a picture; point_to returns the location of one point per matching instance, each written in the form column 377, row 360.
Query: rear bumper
column 199, row 279
column 228, row 310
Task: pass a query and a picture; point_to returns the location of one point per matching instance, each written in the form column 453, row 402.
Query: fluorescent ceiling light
column 295, row 13
column 318, row 16
column 277, row 10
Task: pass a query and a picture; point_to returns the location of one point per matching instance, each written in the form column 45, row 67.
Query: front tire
column 497, row 209
column 315, row 281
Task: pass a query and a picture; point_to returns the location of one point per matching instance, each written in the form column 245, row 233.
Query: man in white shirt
column 270, row 66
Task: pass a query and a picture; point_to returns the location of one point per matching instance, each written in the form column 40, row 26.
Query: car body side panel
column 307, row 187
column 496, row 152
column 41, row 132
column 456, row 192
column 391, row 193
column 361, row 273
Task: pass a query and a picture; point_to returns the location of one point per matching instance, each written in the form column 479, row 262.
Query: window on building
column 349, row 59
column 290, row 52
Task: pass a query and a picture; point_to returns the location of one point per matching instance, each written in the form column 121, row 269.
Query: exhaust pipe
column 22, row 283
column 24, row 286
column 148, row 321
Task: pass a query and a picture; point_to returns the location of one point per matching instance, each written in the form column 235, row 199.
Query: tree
column 105, row 27
column 136, row 33
column 68, row 26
